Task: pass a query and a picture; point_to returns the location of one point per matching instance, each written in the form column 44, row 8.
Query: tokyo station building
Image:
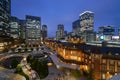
column 103, row 61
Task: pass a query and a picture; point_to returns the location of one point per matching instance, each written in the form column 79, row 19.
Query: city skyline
column 63, row 12
column 59, row 40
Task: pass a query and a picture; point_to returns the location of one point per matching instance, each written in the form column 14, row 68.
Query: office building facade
column 76, row 27
column 106, row 32
column 87, row 26
column 89, row 36
column 44, row 32
column 87, row 21
column 119, row 32
column 33, row 29
column 60, row 33
column 5, row 12
column 14, row 27
column 22, row 29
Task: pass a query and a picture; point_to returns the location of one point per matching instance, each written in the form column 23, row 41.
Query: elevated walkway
column 59, row 63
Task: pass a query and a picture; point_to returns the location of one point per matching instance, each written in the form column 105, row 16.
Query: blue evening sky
column 54, row 12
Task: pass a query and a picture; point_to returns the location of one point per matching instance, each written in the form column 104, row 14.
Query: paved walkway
column 62, row 64
column 8, row 74
column 56, row 74
column 28, row 70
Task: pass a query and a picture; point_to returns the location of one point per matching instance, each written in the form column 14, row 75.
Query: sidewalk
column 7, row 74
column 28, row 71
column 54, row 74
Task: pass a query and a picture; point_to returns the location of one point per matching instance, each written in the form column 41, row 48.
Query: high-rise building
column 119, row 32
column 60, row 32
column 106, row 32
column 87, row 21
column 14, row 27
column 5, row 12
column 44, row 32
column 87, row 26
column 65, row 33
column 89, row 36
column 33, row 29
column 22, row 29
column 76, row 27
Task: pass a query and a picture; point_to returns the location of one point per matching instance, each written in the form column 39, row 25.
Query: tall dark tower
column 60, row 31
column 44, row 32
column 5, row 12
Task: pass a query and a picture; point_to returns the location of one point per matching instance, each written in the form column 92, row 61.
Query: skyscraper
column 87, row 26
column 76, row 27
column 87, row 21
column 44, row 32
column 22, row 29
column 60, row 31
column 14, row 27
column 106, row 32
column 5, row 12
column 119, row 32
column 33, row 28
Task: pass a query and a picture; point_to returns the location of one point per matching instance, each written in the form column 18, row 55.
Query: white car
column 16, row 50
column 22, row 50
column 29, row 50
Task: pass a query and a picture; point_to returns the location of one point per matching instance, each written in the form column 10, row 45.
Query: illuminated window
column 103, row 61
column 92, row 59
column 118, row 69
column 111, row 62
column 103, row 67
column 112, row 68
column 85, row 56
column 119, row 63
column 89, row 61
column 96, row 56
column 103, row 76
column 89, row 57
column 92, row 66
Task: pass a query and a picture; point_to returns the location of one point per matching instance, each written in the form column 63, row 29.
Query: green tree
column 40, row 67
column 19, row 71
column 14, row 63
column 77, row 73
column 91, row 76
column 29, row 58
column 5, row 50
column 42, row 48
column 18, row 68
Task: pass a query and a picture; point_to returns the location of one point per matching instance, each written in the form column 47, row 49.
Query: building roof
column 113, row 57
column 116, row 77
column 85, row 12
column 91, row 48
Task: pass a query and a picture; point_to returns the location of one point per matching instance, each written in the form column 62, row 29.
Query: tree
column 5, row 50
column 18, row 68
column 29, row 58
column 14, row 63
column 42, row 48
column 40, row 67
column 77, row 73
column 91, row 76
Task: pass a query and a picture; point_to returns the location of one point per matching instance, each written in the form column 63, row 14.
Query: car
column 22, row 50
column 29, row 50
column 16, row 50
